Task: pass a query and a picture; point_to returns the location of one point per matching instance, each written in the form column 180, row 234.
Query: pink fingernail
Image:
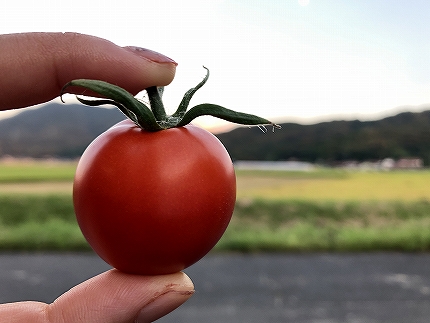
column 150, row 54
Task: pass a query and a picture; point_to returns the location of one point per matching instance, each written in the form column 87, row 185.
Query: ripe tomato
column 153, row 194
column 154, row 202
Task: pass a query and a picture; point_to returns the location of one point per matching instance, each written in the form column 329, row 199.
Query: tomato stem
column 156, row 103
column 183, row 106
column 154, row 118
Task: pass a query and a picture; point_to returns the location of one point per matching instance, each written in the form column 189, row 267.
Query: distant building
column 384, row 164
column 409, row 163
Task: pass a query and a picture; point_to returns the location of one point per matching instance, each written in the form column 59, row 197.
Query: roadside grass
column 39, row 223
column 302, row 226
column 48, row 223
column 322, row 210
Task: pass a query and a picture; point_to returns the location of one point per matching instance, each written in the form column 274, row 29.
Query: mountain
column 64, row 131
column 54, row 130
column 404, row 135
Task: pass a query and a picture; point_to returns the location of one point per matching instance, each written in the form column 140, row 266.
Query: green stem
column 156, row 103
column 223, row 113
column 155, row 117
column 144, row 116
column 183, row 106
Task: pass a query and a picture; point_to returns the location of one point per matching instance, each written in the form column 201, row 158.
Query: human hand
column 35, row 66
column 111, row 297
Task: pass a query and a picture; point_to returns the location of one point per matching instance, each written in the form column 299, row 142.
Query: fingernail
column 150, row 54
column 162, row 305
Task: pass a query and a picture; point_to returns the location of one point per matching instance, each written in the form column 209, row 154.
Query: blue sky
column 289, row 60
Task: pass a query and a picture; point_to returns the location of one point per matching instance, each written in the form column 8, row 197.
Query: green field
column 322, row 210
column 36, row 171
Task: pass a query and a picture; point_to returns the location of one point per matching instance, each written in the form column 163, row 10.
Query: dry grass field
column 36, row 177
column 335, row 185
column 37, row 188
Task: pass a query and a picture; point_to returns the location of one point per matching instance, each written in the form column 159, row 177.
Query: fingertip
column 180, row 289
column 132, row 68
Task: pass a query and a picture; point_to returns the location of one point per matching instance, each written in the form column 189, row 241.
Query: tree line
column 404, row 135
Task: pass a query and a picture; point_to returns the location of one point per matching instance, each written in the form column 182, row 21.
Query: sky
column 286, row 60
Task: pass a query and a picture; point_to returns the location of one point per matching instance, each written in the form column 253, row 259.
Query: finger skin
column 35, row 66
column 111, row 297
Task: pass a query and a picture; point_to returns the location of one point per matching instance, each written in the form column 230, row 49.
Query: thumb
column 111, row 297
column 117, row 297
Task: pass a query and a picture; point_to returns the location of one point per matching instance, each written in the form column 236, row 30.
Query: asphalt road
column 317, row 288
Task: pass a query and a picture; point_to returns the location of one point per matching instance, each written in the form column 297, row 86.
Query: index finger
column 35, row 66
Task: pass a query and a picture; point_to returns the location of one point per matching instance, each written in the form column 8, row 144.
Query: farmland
column 321, row 210
column 335, row 185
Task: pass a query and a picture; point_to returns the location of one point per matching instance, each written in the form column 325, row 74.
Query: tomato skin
column 154, row 203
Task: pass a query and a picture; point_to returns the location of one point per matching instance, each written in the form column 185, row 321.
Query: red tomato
column 154, row 202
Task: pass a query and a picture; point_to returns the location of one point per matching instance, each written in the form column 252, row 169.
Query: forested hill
column 404, row 135
column 64, row 131
column 54, row 130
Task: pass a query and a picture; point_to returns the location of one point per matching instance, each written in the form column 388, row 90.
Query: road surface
column 300, row 288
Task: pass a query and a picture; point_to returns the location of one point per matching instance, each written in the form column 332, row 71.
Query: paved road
column 317, row 288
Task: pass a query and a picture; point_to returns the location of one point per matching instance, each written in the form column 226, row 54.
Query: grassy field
column 39, row 222
column 323, row 210
column 30, row 171
column 335, row 185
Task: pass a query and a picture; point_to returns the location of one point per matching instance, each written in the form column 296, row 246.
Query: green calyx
column 154, row 117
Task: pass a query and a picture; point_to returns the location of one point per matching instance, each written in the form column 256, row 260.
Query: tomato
column 154, row 202
column 154, row 194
